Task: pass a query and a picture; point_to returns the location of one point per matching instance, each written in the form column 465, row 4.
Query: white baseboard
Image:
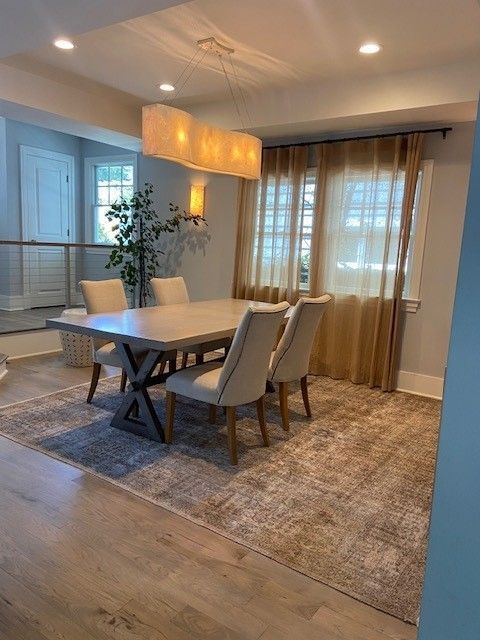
column 22, row 303
column 419, row 384
column 11, row 303
column 30, row 343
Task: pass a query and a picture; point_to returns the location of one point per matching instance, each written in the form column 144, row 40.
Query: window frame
column 411, row 302
column 90, row 165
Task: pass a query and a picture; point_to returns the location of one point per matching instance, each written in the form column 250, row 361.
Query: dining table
column 143, row 336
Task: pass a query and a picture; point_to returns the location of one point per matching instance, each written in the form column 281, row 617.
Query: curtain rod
column 442, row 130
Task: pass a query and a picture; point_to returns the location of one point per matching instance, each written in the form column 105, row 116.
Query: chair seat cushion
column 199, row 383
column 108, row 355
column 205, row 347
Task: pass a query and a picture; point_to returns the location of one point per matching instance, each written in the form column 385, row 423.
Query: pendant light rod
column 240, row 91
column 191, row 66
column 176, row 84
column 212, row 45
column 235, row 101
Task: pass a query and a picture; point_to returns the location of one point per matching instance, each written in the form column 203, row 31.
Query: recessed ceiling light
column 369, row 48
column 62, row 43
column 166, row 87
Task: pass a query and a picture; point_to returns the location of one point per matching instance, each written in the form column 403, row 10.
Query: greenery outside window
column 107, row 180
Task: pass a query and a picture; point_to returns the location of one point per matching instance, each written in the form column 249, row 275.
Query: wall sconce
column 197, row 200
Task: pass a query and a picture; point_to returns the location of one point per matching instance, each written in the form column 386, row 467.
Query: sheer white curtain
column 271, row 223
column 343, row 217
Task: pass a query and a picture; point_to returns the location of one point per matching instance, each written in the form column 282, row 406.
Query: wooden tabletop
column 163, row 328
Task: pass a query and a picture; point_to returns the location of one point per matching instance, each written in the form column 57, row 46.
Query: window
column 273, row 231
column 353, row 242
column 106, row 181
column 359, row 214
column 418, row 234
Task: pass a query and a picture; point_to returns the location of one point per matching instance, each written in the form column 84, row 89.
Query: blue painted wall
column 451, row 599
column 20, row 133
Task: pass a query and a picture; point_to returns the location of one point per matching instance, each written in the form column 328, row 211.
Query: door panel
column 46, row 212
column 51, row 203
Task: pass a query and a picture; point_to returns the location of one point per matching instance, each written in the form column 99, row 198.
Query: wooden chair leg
column 261, row 420
column 161, row 368
column 283, row 392
column 212, row 413
column 93, row 384
column 184, row 359
column 170, row 416
column 199, row 358
column 123, row 381
column 306, row 401
column 232, row 434
column 172, row 365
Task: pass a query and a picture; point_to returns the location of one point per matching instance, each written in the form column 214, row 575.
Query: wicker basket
column 77, row 349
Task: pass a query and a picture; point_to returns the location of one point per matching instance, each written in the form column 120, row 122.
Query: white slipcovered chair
column 174, row 291
column 104, row 296
column 289, row 362
column 239, row 380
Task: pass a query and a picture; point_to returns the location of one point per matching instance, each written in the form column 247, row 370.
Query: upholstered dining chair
column 239, row 380
column 174, row 291
column 104, row 296
column 289, row 362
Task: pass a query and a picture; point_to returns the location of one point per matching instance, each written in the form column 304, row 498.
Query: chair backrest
column 103, row 296
column 169, row 290
column 244, row 373
column 291, row 358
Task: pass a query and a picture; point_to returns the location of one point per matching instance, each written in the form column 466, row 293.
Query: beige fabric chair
column 174, row 291
column 289, row 362
column 103, row 296
column 169, row 290
column 241, row 378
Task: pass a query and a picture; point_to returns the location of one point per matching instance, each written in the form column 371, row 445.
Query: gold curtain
column 362, row 216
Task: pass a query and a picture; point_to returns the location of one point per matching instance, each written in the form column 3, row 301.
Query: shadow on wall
column 193, row 239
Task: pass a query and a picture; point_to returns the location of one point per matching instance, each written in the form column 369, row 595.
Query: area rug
column 343, row 497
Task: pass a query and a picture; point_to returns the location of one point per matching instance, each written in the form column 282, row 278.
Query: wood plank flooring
column 81, row 559
column 27, row 319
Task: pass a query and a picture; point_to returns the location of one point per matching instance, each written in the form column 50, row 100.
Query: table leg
column 137, row 414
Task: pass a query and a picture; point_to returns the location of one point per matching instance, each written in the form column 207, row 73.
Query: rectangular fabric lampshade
column 176, row 135
column 197, row 200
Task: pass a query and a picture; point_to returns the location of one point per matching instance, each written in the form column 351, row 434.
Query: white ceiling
column 28, row 24
column 282, row 43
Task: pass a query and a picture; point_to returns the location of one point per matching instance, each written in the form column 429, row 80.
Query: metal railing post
column 66, row 259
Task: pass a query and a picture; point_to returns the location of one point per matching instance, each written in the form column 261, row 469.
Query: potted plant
column 138, row 228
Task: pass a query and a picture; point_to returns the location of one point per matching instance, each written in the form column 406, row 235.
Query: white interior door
column 47, row 216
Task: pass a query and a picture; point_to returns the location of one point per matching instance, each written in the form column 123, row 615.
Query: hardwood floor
column 83, row 559
column 27, row 319
column 32, row 377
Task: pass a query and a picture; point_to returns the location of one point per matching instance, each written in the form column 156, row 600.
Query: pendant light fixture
column 173, row 134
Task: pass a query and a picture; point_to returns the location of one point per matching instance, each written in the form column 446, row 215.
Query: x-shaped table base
column 137, row 414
